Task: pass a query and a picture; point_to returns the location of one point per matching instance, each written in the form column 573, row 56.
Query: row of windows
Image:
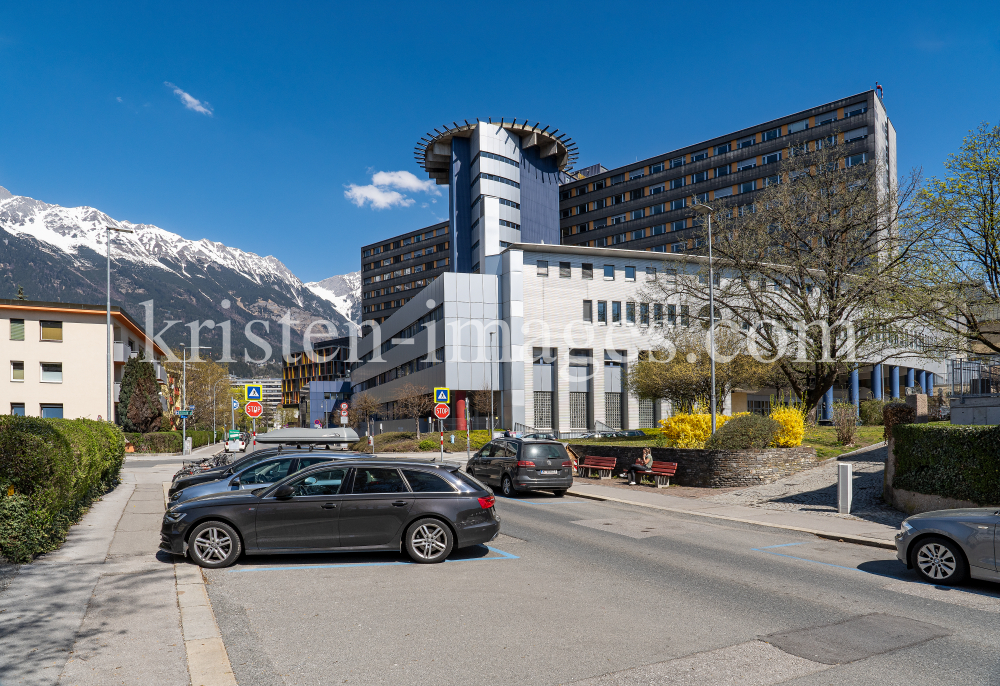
column 405, row 369
column 397, row 288
column 660, row 314
column 396, row 259
column 46, row 411
column 503, row 201
column 760, row 137
column 48, row 330
column 494, row 177
column 494, row 156
column 49, row 372
column 610, row 271
column 510, row 225
column 404, row 242
column 435, row 315
column 388, row 305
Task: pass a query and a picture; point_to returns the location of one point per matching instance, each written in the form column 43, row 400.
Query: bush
column 690, row 430
column 168, row 441
column 428, row 444
column 871, row 412
column 744, row 432
column 51, row 470
column 792, row 425
column 845, row 421
column 961, row 462
column 897, row 413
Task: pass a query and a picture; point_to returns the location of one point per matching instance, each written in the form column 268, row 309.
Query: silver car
column 257, row 475
column 948, row 546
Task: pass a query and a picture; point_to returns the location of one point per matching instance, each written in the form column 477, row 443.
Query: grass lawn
column 824, row 439
column 406, row 442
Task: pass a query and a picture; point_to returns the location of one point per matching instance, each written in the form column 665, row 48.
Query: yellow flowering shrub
column 690, row 430
column 793, row 425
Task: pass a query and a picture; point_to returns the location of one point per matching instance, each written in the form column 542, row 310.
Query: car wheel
column 214, row 545
column 507, row 486
column 428, row 541
column 939, row 561
column 559, row 493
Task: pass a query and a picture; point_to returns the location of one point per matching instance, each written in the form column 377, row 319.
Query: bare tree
column 812, row 269
column 414, row 401
column 481, row 400
column 362, row 408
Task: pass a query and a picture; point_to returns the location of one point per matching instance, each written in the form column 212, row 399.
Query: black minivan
column 520, row 464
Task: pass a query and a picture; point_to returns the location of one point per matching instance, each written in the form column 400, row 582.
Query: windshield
column 545, row 451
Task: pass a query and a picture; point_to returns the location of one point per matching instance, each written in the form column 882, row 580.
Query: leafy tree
column 139, row 398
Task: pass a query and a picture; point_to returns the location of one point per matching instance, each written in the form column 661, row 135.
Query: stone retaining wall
column 714, row 468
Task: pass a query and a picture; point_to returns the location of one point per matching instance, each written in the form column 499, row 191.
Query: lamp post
column 711, row 308
column 184, row 391
column 215, row 406
column 110, row 378
column 491, row 385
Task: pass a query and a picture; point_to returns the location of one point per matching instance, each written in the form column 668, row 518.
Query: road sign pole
column 442, row 440
column 468, row 436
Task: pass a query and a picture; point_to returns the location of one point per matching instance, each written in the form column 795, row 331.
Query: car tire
column 507, row 486
column 429, row 541
column 559, row 492
column 939, row 561
column 214, row 545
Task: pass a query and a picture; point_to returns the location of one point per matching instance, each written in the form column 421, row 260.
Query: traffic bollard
column 845, row 487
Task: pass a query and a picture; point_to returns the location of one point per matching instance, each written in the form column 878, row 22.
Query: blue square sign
column 254, row 391
column 442, row 395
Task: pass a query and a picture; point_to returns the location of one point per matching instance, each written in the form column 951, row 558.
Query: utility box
column 918, row 401
column 845, row 487
column 187, row 445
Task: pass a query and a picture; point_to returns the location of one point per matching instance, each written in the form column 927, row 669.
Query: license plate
column 548, row 471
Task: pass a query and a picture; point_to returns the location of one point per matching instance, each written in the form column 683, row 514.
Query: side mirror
column 284, row 491
column 235, row 482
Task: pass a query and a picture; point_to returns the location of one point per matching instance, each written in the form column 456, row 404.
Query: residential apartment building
column 647, row 205
column 271, row 389
column 56, row 354
column 392, row 271
column 328, row 362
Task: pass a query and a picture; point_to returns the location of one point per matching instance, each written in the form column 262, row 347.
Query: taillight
column 567, row 463
column 487, row 502
column 525, row 463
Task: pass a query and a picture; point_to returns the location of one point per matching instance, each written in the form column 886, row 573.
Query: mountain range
column 59, row 254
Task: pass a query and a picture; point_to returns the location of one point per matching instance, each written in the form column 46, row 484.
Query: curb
column 846, row 538
column 207, row 659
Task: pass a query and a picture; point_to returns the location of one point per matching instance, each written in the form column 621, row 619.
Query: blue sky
column 247, row 123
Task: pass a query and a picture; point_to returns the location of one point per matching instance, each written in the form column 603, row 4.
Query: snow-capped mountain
column 58, row 254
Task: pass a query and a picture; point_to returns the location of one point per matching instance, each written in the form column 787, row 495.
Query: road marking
column 503, row 555
column 541, row 502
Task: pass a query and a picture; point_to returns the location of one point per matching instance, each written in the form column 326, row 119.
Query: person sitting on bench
column 641, row 466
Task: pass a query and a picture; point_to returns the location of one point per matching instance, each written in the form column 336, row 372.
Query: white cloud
column 119, row 98
column 189, row 101
column 380, row 194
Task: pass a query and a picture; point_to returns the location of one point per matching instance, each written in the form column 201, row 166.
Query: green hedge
column 51, row 470
column 961, row 462
column 168, row 441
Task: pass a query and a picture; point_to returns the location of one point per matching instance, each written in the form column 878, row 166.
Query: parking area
column 576, row 590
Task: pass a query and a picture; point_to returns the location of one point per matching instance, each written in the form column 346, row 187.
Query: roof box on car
column 337, row 438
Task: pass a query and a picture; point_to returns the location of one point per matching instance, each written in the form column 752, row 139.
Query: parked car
column 631, row 433
column 256, row 475
column 235, row 442
column 539, row 436
column 948, row 546
column 517, row 464
column 428, row 510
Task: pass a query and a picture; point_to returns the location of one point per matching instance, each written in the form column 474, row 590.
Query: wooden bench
column 661, row 472
column 599, row 464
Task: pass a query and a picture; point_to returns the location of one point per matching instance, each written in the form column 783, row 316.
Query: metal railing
column 975, row 378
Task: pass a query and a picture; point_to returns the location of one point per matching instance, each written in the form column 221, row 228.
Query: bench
column 599, row 464
column 661, row 472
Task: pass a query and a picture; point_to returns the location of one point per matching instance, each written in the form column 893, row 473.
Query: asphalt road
column 603, row 593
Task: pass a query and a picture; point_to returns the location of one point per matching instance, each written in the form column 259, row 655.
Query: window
column 636, row 194
column 772, row 180
column 630, row 313
column 493, row 177
column 599, row 185
column 856, row 134
column 266, row 473
column 619, row 219
column 17, row 371
column 630, row 273
column 657, row 189
column 855, row 109
column 746, row 164
column 619, row 238
column 474, row 246
column 51, row 331
column 602, row 312
column 587, row 271
column 650, row 273
column 51, row 411
column 854, row 160
column 827, row 118
column 17, row 329
column 320, row 483
column 676, row 162
column 580, row 209
column 636, row 174
column 671, row 314
column 678, row 204
column 543, row 268
column 659, row 248
column 685, row 315
column 17, row 409
column 795, row 127
column 722, row 171
column 425, row 482
column 748, row 186
column 600, row 223
column 616, row 179
column 637, row 234
column 658, row 229
column 678, row 225
column 609, row 272
column 724, row 192
column 52, row 372
column 616, row 312
column 637, row 214
column 657, row 313
column 656, row 168
column 601, row 242
column 746, row 142
column 475, row 268
column 588, row 310
column 375, row 480
column 565, row 271
column 677, row 183
column 698, row 156
column 771, row 135
column 722, row 149
column 772, row 158
column 677, row 247
column 644, row 314
column 565, row 195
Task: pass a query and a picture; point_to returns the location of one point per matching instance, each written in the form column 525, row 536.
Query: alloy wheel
column 213, row 544
column 429, row 541
column 936, row 561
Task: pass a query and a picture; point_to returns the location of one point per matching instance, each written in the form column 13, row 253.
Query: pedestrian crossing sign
column 442, row 395
column 254, row 391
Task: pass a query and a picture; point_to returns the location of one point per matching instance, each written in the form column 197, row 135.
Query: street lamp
column 491, row 385
column 184, row 400
column 215, row 406
column 711, row 308
column 110, row 377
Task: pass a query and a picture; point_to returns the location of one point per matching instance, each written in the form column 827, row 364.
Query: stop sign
column 254, row 409
column 441, row 411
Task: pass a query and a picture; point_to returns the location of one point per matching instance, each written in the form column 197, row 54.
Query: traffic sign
column 254, row 391
column 183, row 413
column 236, row 404
column 344, row 407
column 441, row 411
column 254, row 409
column 318, row 423
column 442, row 395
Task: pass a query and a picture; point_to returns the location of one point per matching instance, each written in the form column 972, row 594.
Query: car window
column 266, row 473
column 544, row 451
column 320, row 483
column 376, row 480
column 490, row 450
column 425, row 482
column 510, row 450
column 310, row 461
column 471, row 480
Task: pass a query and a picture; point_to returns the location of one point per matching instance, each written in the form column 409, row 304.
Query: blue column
column 855, row 391
column 877, row 381
column 910, row 378
column 828, row 404
column 922, row 380
column 893, row 381
column 930, row 383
